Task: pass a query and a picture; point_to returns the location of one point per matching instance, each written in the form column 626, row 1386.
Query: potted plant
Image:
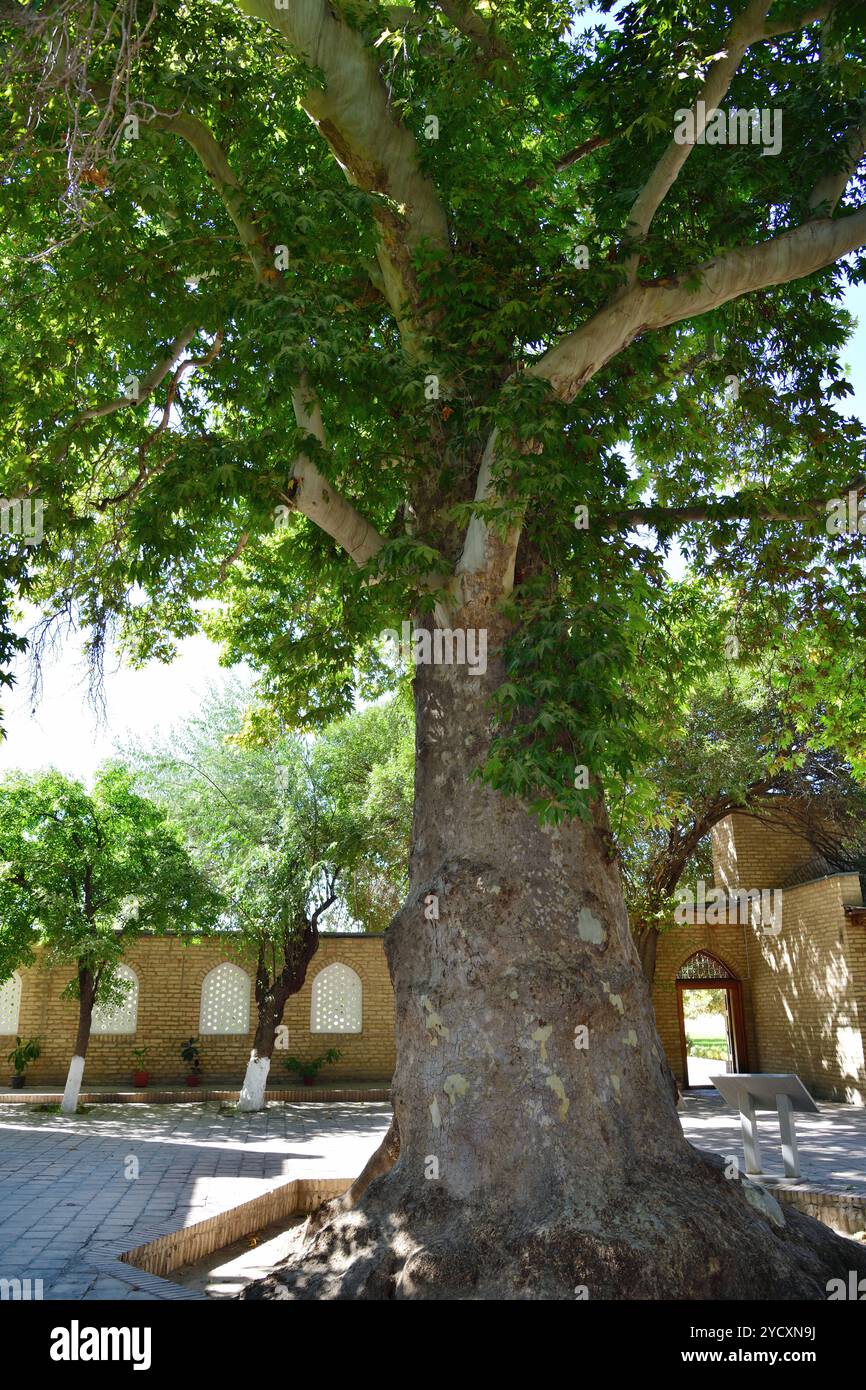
column 308, row 1071
column 140, row 1075
column 22, row 1054
column 191, row 1054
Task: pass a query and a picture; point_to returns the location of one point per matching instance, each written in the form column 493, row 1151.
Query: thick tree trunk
column 540, row 1151
column 86, row 1000
column 379, row 1163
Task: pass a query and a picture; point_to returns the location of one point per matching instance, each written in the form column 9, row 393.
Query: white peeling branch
column 643, row 308
column 147, row 384
column 378, row 153
column 828, row 190
column 315, row 497
column 790, row 256
column 224, row 181
column 746, row 30
column 486, row 553
column 462, row 15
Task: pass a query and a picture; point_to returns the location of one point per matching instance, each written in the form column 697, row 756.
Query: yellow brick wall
column 676, row 944
column 170, row 976
column 749, row 854
column 803, row 990
column 809, row 990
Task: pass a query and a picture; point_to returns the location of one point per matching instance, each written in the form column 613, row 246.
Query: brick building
column 208, row 990
column 796, row 996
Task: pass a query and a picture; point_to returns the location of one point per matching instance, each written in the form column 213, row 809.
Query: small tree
column 83, row 874
column 293, row 832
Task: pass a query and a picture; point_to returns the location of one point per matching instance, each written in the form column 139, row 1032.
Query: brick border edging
column 168, row 1250
column 158, row 1252
column 843, row 1212
column 197, row 1093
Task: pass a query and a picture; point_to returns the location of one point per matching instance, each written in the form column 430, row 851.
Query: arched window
column 122, row 1017
column 10, row 1004
column 703, row 966
column 225, row 1000
column 337, row 1005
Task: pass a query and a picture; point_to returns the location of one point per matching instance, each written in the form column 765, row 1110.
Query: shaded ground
column 832, row 1143
column 69, row 1190
column 69, row 1197
column 224, row 1273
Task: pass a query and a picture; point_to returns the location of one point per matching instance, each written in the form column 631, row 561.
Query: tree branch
column 148, row 384
column 735, row 508
column 827, row 192
column 353, row 114
column 745, row 30
column 212, row 156
column 644, row 307
column 317, row 499
column 595, row 142
column 462, row 15
column 144, row 473
column 793, row 22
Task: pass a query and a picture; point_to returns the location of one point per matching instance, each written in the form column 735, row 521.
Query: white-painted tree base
column 253, row 1093
column 69, row 1103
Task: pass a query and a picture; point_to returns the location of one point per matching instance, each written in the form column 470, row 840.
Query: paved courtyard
column 75, row 1191
column 832, row 1144
column 68, row 1193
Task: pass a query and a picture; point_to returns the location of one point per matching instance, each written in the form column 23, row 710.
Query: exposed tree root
column 665, row 1237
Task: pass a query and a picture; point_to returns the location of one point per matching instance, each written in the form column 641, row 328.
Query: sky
column 64, row 730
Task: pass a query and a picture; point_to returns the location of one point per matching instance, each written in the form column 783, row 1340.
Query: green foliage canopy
column 226, row 241
column 84, row 873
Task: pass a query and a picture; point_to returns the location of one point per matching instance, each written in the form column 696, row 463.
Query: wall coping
column 217, row 937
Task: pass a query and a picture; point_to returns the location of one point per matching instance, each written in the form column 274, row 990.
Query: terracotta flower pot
column 140, row 1078
column 308, row 1080
column 193, row 1079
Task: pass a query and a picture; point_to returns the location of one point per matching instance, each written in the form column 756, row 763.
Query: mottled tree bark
column 536, row 1160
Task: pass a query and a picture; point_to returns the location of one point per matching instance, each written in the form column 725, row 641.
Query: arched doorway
column 705, row 972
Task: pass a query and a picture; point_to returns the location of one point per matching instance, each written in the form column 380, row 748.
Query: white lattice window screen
column 10, row 1004
column 119, row 1018
column 337, row 1005
column 225, row 1000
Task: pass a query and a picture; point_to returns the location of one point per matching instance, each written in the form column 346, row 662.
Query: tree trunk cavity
column 540, row 1153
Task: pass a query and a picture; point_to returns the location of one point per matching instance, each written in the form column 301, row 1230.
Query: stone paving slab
column 832, row 1144
column 70, row 1203
column 70, row 1200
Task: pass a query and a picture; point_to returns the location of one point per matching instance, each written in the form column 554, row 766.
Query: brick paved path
column 69, row 1202
column 832, row 1144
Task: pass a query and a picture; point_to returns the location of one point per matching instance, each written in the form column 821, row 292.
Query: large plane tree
column 347, row 313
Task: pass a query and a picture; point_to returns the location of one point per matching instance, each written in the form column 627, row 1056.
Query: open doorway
column 710, row 1013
